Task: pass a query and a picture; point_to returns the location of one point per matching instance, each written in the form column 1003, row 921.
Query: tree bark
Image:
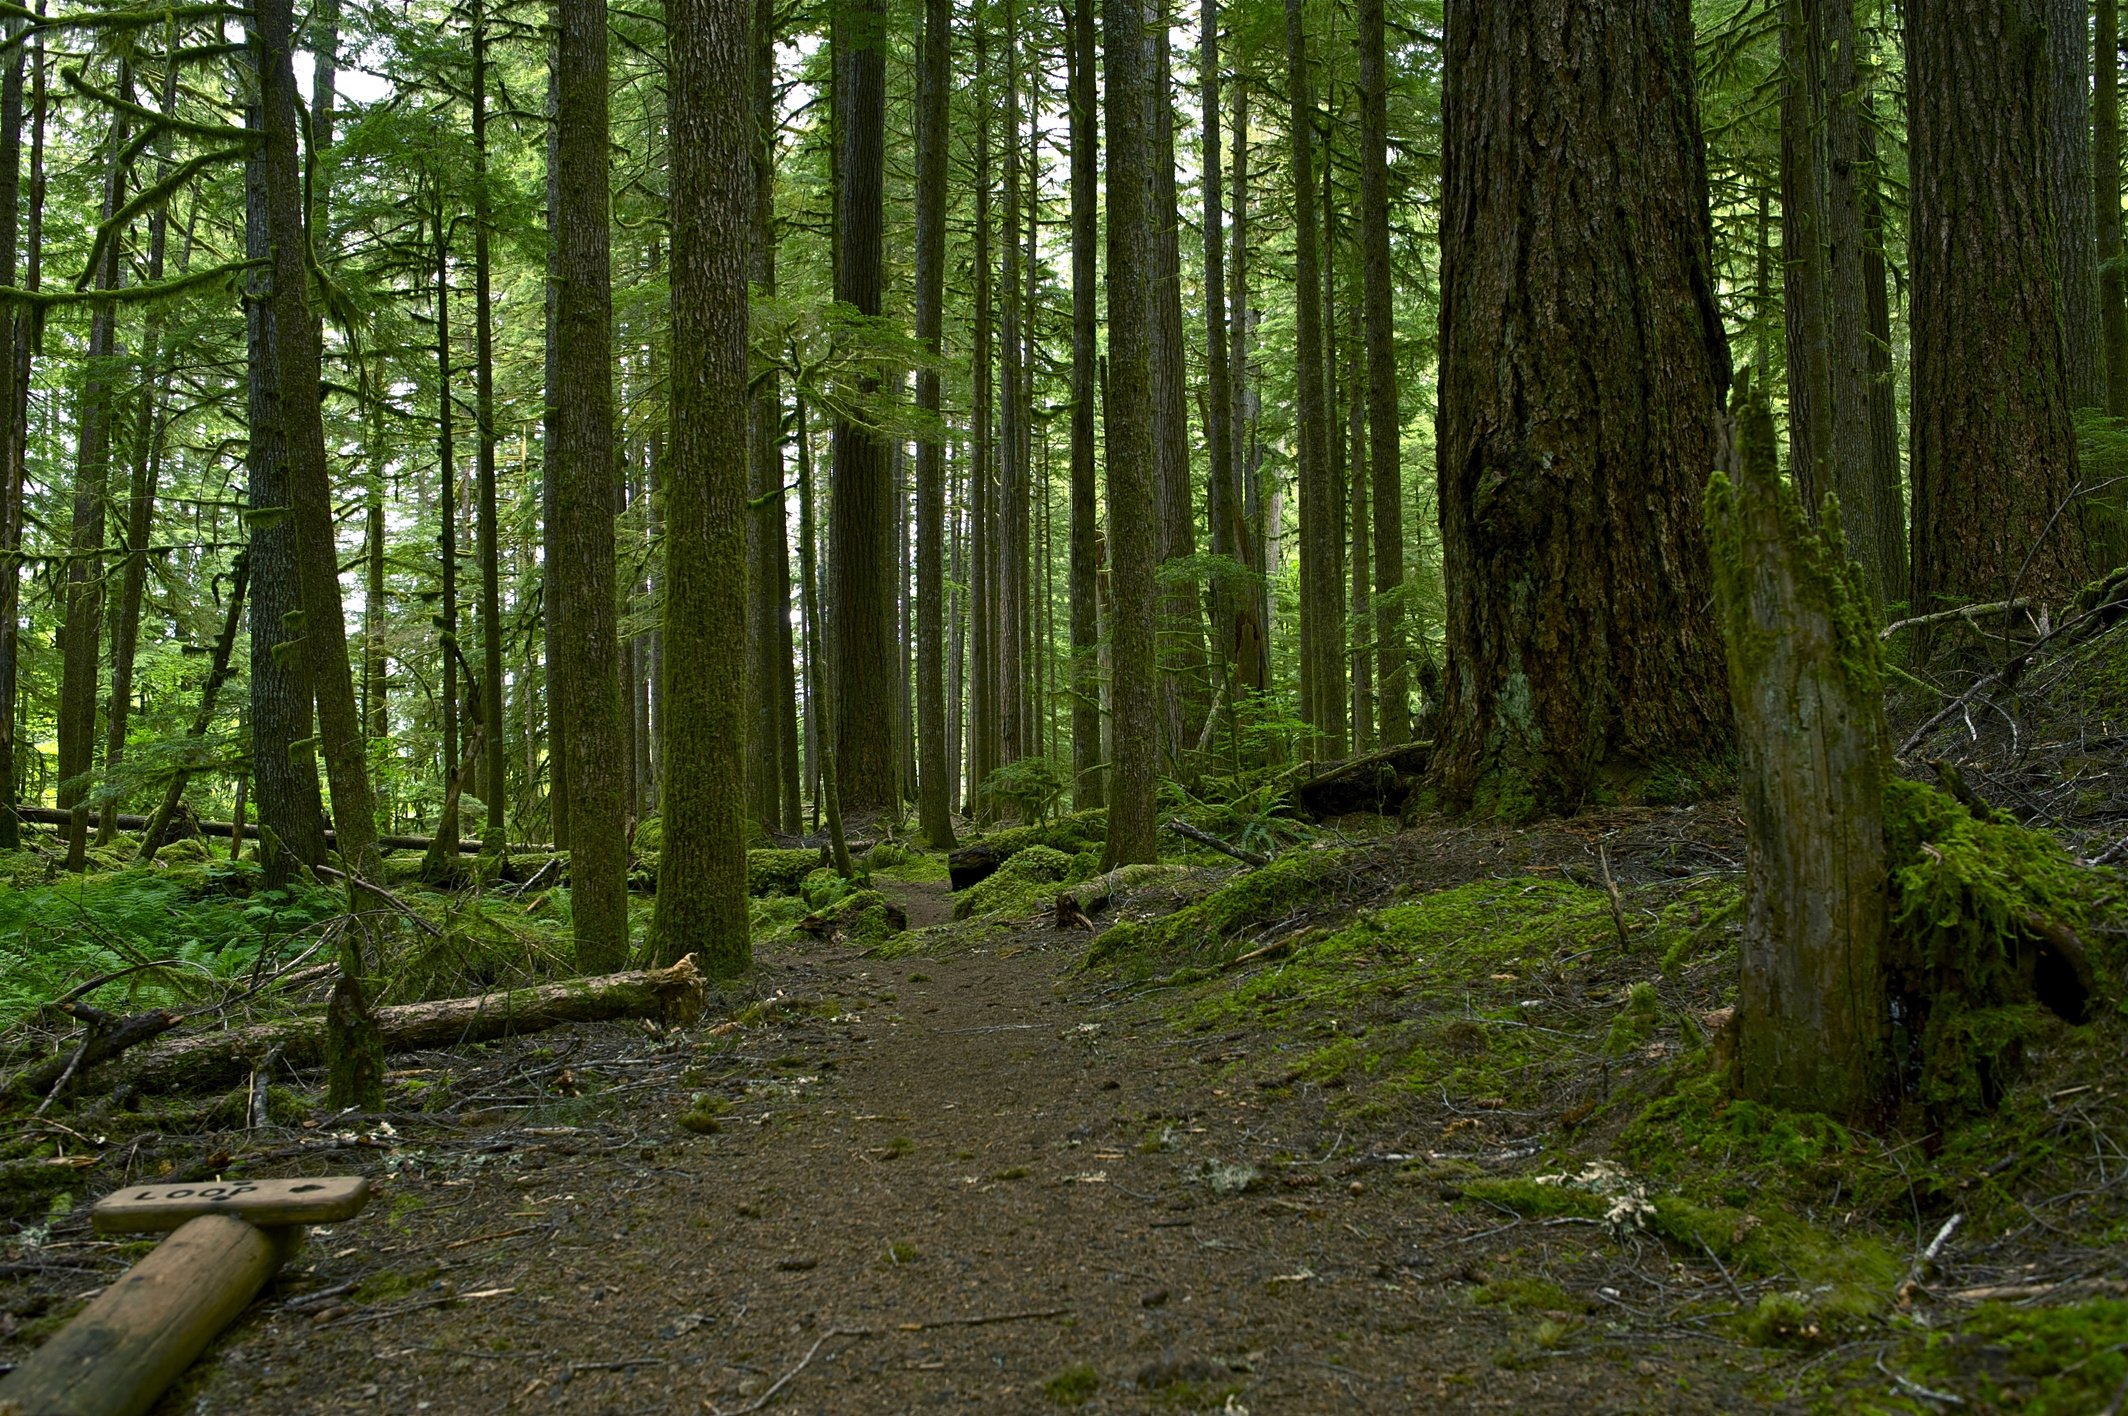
column 441, row 865
column 1582, row 363
column 81, row 631
column 1321, row 593
column 933, row 78
column 2070, row 175
column 494, row 780
column 702, row 871
column 1811, row 1009
column 2106, row 200
column 1181, row 643
column 860, row 513
column 16, row 326
column 1994, row 451
column 1132, row 458
column 1384, row 411
column 1087, row 783
column 582, row 579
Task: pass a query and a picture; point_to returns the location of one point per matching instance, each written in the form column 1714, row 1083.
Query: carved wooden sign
column 269, row 1204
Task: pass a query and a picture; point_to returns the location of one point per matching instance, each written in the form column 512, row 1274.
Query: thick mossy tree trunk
column 1582, row 364
column 1132, row 527
column 15, row 325
column 701, row 904
column 2106, row 190
column 1803, row 673
column 1384, row 412
column 1994, row 451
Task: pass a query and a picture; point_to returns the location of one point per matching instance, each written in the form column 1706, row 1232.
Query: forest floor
column 1365, row 1167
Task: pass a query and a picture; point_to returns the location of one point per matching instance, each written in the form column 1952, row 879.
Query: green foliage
column 1074, row 1385
column 779, row 872
column 863, row 917
column 1028, row 789
column 2061, row 1361
column 209, row 921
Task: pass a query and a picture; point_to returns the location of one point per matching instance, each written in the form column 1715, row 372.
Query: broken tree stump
column 1804, row 675
column 120, row 1353
column 1379, row 782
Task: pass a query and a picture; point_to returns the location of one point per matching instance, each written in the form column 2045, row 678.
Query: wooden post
column 1811, row 1010
column 118, row 1355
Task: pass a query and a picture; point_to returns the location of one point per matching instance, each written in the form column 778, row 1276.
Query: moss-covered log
column 1805, row 679
column 675, row 994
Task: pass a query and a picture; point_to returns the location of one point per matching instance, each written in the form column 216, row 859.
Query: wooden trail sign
column 229, row 1238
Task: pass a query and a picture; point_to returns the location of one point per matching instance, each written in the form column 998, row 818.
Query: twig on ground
column 1610, row 887
column 1207, row 839
column 785, row 1380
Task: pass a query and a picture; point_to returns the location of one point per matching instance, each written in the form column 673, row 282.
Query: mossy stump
column 1805, row 680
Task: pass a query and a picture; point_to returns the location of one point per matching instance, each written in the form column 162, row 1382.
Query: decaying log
column 674, row 995
column 1379, row 782
column 972, row 865
column 108, row 1036
column 50, row 816
column 1205, row 838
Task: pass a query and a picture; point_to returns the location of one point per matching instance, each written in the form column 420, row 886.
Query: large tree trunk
column 860, row 513
column 702, row 871
column 1889, row 490
column 581, row 582
column 934, row 784
column 1582, row 363
column 81, row 632
column 442, row 863
column 1131, row 455
column 1252, row 629
column 1811, row 1011
column 1182, row 698
column 1322, row 701
column 1384, row 412
column 1994, row 451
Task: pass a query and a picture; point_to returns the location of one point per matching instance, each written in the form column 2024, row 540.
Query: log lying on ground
column 674, row 995
column 51, row 816
column 108, row 1037
column 1376, row 781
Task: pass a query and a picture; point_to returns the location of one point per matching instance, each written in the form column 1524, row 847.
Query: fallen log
column 108, row 1036
column 1205, row 838
column 1380, row 782
column 52, row 816
column 674, row 995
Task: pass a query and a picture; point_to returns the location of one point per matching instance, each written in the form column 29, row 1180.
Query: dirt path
column 977, row 1189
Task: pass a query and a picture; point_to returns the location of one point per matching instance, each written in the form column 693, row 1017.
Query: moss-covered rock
column 1201, row 931
column 1023, row 885
column 862, row 917
column 778, row 872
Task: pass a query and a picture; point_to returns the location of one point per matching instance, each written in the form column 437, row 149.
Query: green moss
column 1636, row 1021
column 888, row 861
column 1966, row 894
column 1024, row 884
column 1080, row 831
column 2059, row 1361
column 866, row 918
column 778, row 872
column 1208, row 928
column 1074, row 1385
column 1531, row 1295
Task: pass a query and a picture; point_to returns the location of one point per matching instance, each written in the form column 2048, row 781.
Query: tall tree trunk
column 583, row 579
column 356, row 1071
column 1012, row 465
column 1384, row 412
column 1182, row 699
column 1823, row 168
column 147, row 451
column 16, row 324
column 1086, row 779
column 1221, row 488
column 2106, row 199
column 2069, row 176
column 1994, row 452
column 860, row 531
column 1321, row 594
column 1889, row 490
column 81, row 632
column 550, row 481
column 934, row 76
column 983, row 622
column 1132, row 456
column 701, row 905
column 1252, row 635
column 284, row 764
column 1578, row 413
column 493, row 786
column 442, row 861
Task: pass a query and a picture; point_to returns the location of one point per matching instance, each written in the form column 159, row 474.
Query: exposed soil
column 966, row 1182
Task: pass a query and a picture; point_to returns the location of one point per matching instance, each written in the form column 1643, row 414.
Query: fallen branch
column 1206, row 838
column 51, row 816
column 1964, row 612
column 218, row 1059
column 108, row 1036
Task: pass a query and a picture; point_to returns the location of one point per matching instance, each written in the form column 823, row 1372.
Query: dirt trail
column 980, row 1188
